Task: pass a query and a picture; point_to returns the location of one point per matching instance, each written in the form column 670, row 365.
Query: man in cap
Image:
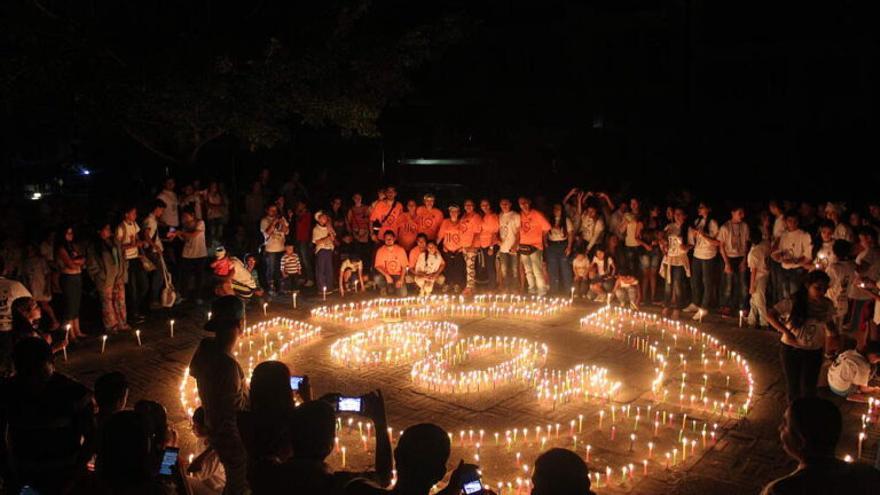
column 222, row 388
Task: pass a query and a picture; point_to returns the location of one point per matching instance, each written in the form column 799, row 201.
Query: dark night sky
column 747, row 99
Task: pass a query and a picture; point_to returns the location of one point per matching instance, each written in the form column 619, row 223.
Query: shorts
column 650, row 260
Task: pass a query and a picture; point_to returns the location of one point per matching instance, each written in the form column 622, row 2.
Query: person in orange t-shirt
column 429, row 217
column 391, row 264
column 385, row 214
column 489, row 242
column 533, row 231
column 471, row 223
column 408, row 226
column 419, row 248
column 450, row 238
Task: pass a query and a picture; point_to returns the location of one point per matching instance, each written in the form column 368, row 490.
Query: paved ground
column 746, row 456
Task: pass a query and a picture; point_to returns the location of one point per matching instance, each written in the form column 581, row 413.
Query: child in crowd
column 759, row 274
column 291, row 269
column 602, row 273
column 206, row 472
column 842, row 272
column 351, row 275
column 581, row 267
column 429, row 269
column 626, row 289
column 222, row 268
column 851, row 372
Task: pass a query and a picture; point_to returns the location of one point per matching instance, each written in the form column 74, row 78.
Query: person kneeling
column 429, row 269
column 849, row 374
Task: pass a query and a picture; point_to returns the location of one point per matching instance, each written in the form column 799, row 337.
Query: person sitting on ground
column 850, row 373
column 205, row 471
column 603, row 271
column 313, row 431
column 421, row 456
column 390, row 264
column 581, row 268
column 26, row 314
column 560, row 472
column 626, row 290
column 224, row 271
column 123, row 461
column 48, row 420
column 162, row 435
column 428, row 271
column 809, row 433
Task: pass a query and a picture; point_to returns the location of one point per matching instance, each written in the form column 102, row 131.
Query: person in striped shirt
column 291, row 269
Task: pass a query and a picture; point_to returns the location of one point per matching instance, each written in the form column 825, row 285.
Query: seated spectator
column 223, row 268
column 390, row 265
column 313, row 432
column 14, row 290
column 851, row 371
column 291, row 270
column 581, row 269
column 809, row 433
column 123, row 464
column 626, row 289
column 111, row 395
column 161, row 434
column 48, row 420
column 351, row 275
column 26, row 314
column 603, row 270
column 421, row 456
column 252, row 280
column 206, row 472
column 428, row 271
column 560, row 472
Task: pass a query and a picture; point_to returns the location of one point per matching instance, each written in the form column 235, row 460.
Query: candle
column 741, row 316
column 589, row 448
column 137, row 333
column 294, row 299
column 645, row 466
column 103, row 343
column 632, row 441
column 613, row 432
column 650, row 450
column 265, row 306
column 601, row 417
column 171, row 324
column 343, row 456
column 667, row 460
column 861, row 440
column 324, row 292
column 580, row 423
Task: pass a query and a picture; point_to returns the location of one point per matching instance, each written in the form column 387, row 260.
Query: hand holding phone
column 350, row 404
column 296, row 382
column 169, row 461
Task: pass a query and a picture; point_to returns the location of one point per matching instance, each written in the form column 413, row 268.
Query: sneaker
column 309, row 283
column 691, row 309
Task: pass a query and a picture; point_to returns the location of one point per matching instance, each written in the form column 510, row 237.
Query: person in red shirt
column 471, row 223
column 533, row 231
column 391, row 265
column 302, row 220
column 408, row 226
column 450, row 238
column 429, row 217
column 385, row 214
column 489, row 242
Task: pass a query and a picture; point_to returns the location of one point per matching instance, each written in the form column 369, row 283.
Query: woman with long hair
column 108, row 270
column 804, row 320
column 560, row 240
column 70, row 262
column 450, row 238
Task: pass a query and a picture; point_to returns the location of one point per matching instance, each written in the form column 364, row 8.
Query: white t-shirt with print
column 275, row 241
column 10, row 290
column 558, row 234
column 169, row 216
column 735, row 238
column 151, row 229
column 126, row 233
column 703, row 249
column 322, row 232
column 508, row 224
column 868, row 263
column 195, row 247
column 849, row 369
column 591, row 230
column 757, row 259
column 428, row 264
column 842, row 275
column 675, row 252
column 793, row 245
column 811, row 335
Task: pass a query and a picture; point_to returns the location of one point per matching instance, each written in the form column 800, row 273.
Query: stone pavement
column 746, row 456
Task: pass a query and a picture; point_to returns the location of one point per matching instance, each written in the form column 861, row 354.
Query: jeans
column 801, row 369
column 272, row 270
column 631, row 260
column 735, row 289
column 758, row 302
column 675, row 287
column 324, row 269
column 486, row 267
column 702, row 282
column 383, row 284
column 791, row 281
column 305, row 250
column 136, row 288
column 192, row 274
column 559, row 268
column 533, row 266
column 776, row 282
column 509, row 271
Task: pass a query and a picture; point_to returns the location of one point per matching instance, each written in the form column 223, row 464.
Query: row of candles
column 392, row 343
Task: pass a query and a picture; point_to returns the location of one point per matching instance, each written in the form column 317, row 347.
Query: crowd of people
column 809, row 272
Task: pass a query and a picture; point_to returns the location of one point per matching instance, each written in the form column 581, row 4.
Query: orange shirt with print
column 471, row 224
column 391, row 259
column 429, row 221
column 489, row 231
column 407, row 230
column 381, row 211
column 533, row 226
column 450, row 236
column 414, row 254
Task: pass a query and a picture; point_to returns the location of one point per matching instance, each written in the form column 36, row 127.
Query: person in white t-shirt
column 275, row 229
column 428, row 271
column 759, row 275
column 794, row 251
column 842, row 272
column 154, row 249
column 509, row 223
column 824, row 255
column 130, row 239
column 851, row 371
column 169, row 217
column 10, row 290
column 703, row 234
column 195, row 255
column 324, row 239
column 734, row 246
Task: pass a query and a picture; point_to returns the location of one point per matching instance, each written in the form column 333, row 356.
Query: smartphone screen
column 169, row 459
column 473, row 487
column 349, row 404
column 295, row 382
